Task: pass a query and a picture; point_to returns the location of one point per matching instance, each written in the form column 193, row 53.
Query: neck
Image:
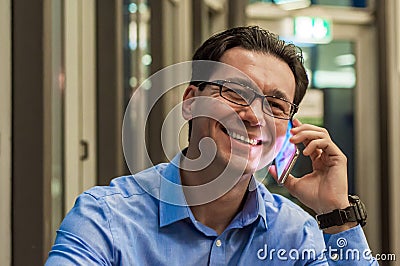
column 219, row 213
column 214, row 196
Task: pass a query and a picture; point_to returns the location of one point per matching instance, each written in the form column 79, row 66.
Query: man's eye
column 239, row 93
column 277, row 107
column 228, row 90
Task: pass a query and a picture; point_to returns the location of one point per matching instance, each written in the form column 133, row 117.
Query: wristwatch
column 354, row 213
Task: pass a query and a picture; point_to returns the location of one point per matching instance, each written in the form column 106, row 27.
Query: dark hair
column 254, row 38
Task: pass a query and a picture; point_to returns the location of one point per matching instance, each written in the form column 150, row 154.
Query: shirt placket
column 218, row 250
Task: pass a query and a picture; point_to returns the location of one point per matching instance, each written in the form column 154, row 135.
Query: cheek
column 212, row 108
column 200, row 128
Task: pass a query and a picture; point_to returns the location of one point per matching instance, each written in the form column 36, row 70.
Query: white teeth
column 243, row 139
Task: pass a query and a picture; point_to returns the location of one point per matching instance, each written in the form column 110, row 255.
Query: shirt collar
column 261, row 205
column 173, row 206
column 253, row 208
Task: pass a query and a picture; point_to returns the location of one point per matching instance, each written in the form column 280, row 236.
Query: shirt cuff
column 348, row 247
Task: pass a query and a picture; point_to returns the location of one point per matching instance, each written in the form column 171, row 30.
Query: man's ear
column 188, row 100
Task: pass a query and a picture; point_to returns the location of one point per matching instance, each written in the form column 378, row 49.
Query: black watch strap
column 354, row 213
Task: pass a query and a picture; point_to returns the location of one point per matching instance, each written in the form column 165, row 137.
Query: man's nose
column 253, row 113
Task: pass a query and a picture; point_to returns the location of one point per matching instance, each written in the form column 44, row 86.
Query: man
column 205, row 207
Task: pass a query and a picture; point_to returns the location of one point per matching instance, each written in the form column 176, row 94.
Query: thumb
column 290, row 184
column 290, row 179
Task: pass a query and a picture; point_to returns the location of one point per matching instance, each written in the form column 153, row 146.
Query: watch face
column 353, row 198
column 359, row 209
column 363, row 213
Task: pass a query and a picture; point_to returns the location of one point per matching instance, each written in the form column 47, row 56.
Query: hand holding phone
column 286, row 158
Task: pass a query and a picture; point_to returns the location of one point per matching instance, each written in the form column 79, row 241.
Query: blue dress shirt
column 126, row 223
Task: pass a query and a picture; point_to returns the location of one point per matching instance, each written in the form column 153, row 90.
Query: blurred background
column 69, row 68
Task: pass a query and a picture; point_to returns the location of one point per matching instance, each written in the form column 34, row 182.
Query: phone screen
column 286, row 157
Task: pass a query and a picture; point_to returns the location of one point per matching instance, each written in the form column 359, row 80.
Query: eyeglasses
column 244, row 95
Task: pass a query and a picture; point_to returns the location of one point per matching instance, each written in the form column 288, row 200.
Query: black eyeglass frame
column 220, row 83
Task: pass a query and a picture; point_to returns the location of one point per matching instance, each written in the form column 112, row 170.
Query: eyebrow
column 248, row 83
column 278, row 93
column 243, row 81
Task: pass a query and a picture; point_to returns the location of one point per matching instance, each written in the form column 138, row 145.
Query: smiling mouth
column 241, row 138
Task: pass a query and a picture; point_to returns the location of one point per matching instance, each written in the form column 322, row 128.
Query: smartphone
column 286, row 157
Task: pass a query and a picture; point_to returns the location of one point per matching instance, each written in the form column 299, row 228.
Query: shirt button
column 218, row 243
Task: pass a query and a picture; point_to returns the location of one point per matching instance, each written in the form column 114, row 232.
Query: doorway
column 343, row 78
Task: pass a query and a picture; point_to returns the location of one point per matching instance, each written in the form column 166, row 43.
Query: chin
column 242, row 164
column 246, row 161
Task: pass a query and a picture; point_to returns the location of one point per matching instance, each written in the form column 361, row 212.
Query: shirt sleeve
column 84, row 237
column 349, row 247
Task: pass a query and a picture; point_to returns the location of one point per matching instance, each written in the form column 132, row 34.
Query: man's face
column 272, row 77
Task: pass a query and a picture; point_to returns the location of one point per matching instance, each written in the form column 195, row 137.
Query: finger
column 307, row 136
column 302, row 127
column 317, row 153
column 314, row 146
column 323, row 145
column 296, row 123
column 307, row 132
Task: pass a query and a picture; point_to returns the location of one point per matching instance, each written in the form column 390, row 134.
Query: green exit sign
column 312, row 30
